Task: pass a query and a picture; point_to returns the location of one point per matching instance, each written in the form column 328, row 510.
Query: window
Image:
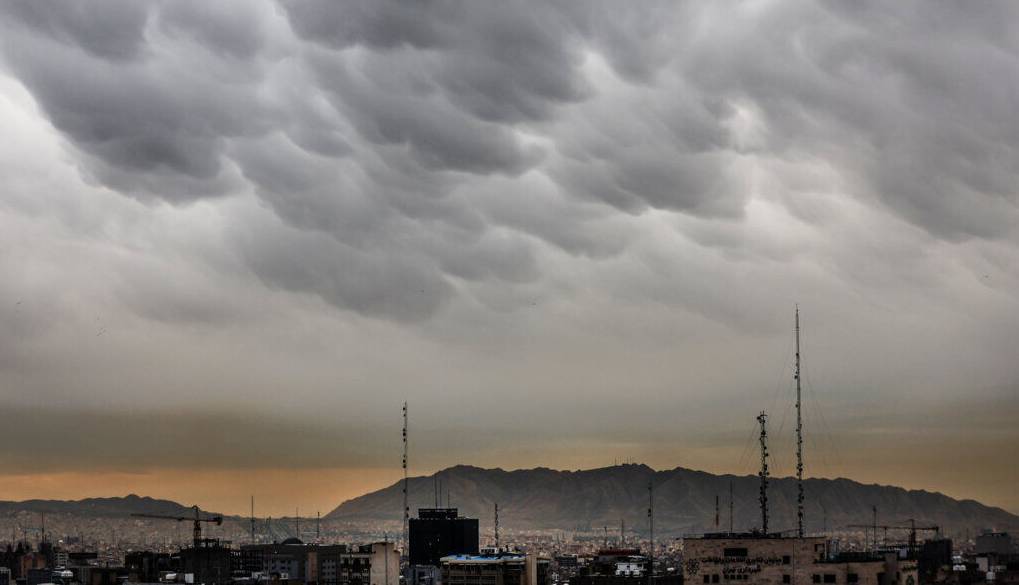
column 786, row 560
column 829, row 577
column 707, row 578
column 787, row 579
column 735, row 552
column 815, row 578
column 714, row 578
column 852, row 578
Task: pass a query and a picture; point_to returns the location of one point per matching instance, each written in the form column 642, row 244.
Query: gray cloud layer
column 556, row 199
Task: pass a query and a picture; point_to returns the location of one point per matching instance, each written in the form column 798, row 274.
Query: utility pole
column 763, row 420
column 406, row 506
column 622, row 532
column 717, row 517
column 252, row 519
column 799, row 435
column 497, row 527
column 318, row 529
column 651, row 530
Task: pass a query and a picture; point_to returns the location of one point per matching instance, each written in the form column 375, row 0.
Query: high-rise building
column 440, row 532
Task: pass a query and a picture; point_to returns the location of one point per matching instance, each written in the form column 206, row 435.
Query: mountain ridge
column 543, row 498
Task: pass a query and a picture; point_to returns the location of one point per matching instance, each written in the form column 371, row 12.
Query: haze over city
column 236, row 236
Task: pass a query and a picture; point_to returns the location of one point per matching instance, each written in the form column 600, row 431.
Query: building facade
column 494, row 569
column 441, row 532
column 335, row 564
column 754, row 559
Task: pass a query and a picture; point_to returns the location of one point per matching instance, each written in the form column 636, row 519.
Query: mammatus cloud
column 338, row 201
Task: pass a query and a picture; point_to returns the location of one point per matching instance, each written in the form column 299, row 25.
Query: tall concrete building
column 440, row 532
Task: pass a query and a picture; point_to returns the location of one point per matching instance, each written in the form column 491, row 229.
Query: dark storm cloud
column 501, row 62
column 111, row 29
column 583, row 206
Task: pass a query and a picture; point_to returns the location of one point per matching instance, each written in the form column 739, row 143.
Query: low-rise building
column 756, row 559
column 494, row 569
column 334, row 564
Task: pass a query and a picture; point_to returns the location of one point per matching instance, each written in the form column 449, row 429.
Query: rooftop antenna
column 406, row 507
column 799, row 435
column 730, row 506
column 874, row 509
column 763, row 420
column 824, row 519
column 497, row 526
column 252, row 519
column 651, row 529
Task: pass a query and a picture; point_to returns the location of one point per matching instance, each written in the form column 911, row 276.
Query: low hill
column 99, row 507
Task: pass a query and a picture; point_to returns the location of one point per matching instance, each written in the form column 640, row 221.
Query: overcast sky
column 236, row 236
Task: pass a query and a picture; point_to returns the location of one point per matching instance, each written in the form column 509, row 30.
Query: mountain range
column 607, row 498
column 684, row 501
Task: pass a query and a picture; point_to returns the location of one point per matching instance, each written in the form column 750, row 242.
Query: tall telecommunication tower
column 406, row 507
column 799, row 435
column 763, row 420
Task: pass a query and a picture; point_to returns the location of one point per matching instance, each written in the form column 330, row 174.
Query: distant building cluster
column 444, row 548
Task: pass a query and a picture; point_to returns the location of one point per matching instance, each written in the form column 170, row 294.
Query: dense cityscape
column 509, row 292
column 445, row 547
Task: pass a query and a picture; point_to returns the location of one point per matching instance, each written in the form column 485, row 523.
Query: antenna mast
column 730, row 506
column 496, row 527
column 406, row 507
column 252, row 519
column 763, row 420
column 651, row 529
column 717, row 517
column 799, row 435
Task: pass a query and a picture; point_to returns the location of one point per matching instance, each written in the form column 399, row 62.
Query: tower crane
column 197, row 519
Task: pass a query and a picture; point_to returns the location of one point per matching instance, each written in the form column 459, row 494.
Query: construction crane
column 197, row 519
column 911, row 527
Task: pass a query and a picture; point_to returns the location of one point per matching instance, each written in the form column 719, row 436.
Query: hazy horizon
column 235, row 237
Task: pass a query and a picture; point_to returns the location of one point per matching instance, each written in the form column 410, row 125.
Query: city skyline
column 236, row 237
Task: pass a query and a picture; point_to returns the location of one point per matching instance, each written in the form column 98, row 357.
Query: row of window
column 831, row 578
column 816, row 578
